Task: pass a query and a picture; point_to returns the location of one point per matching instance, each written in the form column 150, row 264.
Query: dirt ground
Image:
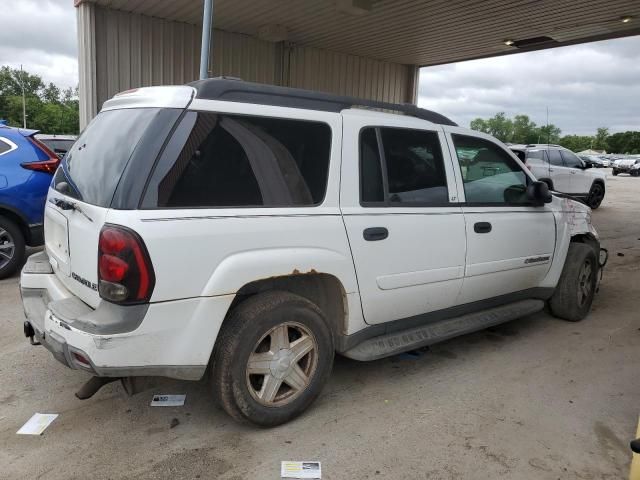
column 537, row 398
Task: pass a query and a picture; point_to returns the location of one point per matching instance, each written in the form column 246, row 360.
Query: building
column 366, row 48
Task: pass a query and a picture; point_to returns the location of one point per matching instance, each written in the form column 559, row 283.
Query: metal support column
column 207, row 31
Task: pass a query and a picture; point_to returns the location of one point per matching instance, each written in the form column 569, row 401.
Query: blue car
column 26, row 168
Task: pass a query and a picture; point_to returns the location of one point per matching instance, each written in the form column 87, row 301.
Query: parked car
column 592, row 161
column 563, row 171
column 630, row 165
column 60, row 144
column 260, row 230
column 26, row 168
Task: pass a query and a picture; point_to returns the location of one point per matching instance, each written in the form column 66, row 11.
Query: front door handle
column 373, row 234
column 482, row 227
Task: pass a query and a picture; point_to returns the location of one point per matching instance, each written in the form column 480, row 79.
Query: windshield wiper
column 66, row 205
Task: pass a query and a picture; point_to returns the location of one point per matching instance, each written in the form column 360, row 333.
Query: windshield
column 92, row 168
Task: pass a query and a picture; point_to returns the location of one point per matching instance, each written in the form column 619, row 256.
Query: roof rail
column 235, row 90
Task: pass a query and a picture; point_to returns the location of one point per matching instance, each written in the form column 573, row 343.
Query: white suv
column 563, row 171
column 259, row 230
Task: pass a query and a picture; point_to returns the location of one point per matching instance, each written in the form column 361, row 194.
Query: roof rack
column 236, row 90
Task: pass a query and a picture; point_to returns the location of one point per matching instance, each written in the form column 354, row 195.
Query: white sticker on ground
column 300, row 470
column 37, row 424
column 168, row 400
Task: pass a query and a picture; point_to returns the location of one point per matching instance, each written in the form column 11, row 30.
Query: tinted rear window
column 93, row 167
column 242, row 161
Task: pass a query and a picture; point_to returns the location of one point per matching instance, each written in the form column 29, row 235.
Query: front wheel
column 272, row 358
column 12, row 246
column 614, row 172
column 576, row 288
column 596, row 195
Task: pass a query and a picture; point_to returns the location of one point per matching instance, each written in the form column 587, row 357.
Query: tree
column 48, row 108
column 600, row 140
column 576, row 143
column 519, row 130
column 549, row 134
column 524, row 130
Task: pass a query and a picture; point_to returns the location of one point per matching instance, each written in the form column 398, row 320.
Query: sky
column 584, row 86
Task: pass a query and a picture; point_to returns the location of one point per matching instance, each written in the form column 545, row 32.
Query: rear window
column 242, row 161
column 92, row 168
column 58, row 146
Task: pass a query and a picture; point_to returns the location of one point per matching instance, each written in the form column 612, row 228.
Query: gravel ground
column 535, row 398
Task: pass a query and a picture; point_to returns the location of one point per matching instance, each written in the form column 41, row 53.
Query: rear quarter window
column 219, row 160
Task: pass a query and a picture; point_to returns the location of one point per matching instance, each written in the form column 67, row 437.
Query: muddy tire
column 272, row 358
column 576, row 288
column 12, row 245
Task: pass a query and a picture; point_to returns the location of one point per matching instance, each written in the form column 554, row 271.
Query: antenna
column 548, row 132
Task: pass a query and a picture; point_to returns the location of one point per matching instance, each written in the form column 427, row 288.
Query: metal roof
column 415, row 32
column 233, row 90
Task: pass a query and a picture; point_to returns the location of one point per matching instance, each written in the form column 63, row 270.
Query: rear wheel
column 273, row 356
column 596, row 195
column 12, row 245
column 577, row 285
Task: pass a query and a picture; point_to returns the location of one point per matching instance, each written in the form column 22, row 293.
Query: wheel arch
column 19, row 220
column 323, row 289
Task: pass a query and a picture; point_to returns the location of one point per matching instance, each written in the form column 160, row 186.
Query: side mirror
column 586, row 165
column 538, row 193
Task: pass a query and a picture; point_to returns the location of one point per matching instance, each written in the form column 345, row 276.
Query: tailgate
column 71, row 241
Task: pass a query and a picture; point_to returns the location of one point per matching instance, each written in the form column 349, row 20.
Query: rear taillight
column 47, row 166
column 125, row 272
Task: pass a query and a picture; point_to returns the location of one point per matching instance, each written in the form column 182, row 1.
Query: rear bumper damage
column 164, row 339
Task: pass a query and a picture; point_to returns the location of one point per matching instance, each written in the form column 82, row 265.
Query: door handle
column 482, row 227
column 374, row 234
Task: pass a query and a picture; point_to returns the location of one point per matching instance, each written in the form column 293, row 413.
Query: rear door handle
column 373, row 234
column 482, row 227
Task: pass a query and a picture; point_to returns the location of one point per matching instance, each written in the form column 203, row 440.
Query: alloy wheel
column 7, row 248
column 281, row 364
column 585, row 283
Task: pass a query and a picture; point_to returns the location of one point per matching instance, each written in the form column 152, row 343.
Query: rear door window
column 410, row 171
column 242, row 161
column 555, row 158
column 537, row 155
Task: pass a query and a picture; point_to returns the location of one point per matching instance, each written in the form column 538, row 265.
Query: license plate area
column 56, row 234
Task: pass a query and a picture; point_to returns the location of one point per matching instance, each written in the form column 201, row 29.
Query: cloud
column 584, row 87
column 41, row 35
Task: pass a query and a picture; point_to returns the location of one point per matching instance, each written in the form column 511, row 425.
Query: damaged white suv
column 259, row 230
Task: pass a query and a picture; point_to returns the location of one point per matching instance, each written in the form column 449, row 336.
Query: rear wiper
column 66, row 205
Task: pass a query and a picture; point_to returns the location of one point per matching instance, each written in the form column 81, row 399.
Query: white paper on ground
column 300, row 470
column 37, row 424
column 168, row 400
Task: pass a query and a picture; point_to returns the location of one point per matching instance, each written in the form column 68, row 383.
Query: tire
column 614, row 172
column 12, row 246
column 635, row 173
column 266, row 397
column 596, row 195
column 576, row 288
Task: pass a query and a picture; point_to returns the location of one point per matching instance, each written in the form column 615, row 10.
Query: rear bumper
column 172, row 339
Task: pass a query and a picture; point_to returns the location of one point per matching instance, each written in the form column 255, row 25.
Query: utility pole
column 24, row 101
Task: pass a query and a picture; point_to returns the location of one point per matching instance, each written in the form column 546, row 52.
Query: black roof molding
column 235, row 90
